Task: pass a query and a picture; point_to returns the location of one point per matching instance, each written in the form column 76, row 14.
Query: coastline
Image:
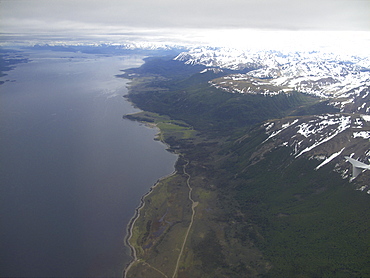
column 132, row 221
column 166, row 127
column 131, row 224
column 234, row 232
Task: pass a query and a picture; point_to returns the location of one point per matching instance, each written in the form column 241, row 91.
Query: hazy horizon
column 236, row 23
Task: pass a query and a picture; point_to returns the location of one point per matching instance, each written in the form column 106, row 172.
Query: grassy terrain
column 168, row 127
column 273, row 218
column 159, row 231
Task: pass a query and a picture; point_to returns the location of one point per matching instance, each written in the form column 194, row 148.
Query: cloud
column 247, row 23
column 263, row 14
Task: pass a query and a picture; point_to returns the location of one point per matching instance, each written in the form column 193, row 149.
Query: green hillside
column 191, row 99
column 224, row 214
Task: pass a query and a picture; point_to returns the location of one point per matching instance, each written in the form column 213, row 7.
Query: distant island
column 261, row 188
column 8, row 59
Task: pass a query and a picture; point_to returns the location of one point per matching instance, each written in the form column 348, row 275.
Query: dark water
column 72, row 170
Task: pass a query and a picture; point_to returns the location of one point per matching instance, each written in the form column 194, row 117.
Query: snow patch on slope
column 362, row 134
column 330, row 158
column 284, row 126
column 343, row 123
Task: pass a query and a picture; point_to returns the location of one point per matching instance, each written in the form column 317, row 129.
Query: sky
column 223, row 22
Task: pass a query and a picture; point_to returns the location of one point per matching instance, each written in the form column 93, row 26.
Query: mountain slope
column 343, row 79
column 262, row 186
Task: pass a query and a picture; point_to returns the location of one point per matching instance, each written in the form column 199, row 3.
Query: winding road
column 193, row 206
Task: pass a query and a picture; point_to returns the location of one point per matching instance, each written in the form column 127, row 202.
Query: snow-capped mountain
column 326, row 138
column 343, row 79
column 124, row 45
column 314, row 61
column 225, row 58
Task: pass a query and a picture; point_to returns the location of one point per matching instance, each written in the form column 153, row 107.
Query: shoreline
column 141, row 205
column 132, row 221
column 131, row 224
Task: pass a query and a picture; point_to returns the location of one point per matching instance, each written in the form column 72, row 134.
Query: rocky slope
column 342, row 82
column 325, row 138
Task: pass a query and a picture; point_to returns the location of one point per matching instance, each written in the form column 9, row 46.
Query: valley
column 271, row 191
column 175, row 139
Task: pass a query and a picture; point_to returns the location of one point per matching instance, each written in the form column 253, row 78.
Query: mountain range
column 263, row 186
column 339, row 81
